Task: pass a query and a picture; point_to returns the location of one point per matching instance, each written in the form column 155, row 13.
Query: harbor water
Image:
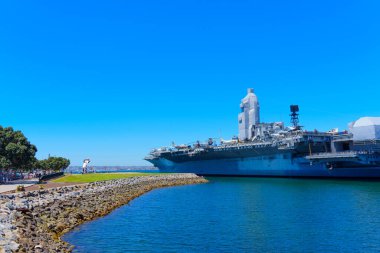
column 242, row 215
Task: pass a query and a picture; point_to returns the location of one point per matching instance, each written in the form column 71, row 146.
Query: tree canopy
column 16, row 151
column 53, row 163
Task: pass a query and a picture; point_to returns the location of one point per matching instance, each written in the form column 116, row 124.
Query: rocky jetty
column 35, row 221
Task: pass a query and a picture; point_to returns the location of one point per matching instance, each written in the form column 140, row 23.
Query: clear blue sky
column 110, row 80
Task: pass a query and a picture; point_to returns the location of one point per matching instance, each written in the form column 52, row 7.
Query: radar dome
column 366, row 128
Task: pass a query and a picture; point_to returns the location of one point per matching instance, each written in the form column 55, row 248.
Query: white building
column 366, row 128
column 249, row 117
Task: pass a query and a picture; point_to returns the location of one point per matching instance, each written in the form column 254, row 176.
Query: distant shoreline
column 36, row 220
column 111, row 169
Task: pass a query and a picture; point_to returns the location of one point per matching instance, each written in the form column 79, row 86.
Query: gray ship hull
column 278, row 165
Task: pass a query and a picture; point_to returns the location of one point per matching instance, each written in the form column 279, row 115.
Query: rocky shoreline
column 35, row 221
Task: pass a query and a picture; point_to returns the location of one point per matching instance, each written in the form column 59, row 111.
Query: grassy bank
column 93, row 177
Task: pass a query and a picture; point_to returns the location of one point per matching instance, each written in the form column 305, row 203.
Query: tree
column 16, row 152
column 42, row 165
column 53, row 163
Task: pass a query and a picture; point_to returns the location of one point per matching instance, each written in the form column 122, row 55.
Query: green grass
column 88, row 178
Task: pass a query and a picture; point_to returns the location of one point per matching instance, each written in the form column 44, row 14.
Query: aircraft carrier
column 276, row 150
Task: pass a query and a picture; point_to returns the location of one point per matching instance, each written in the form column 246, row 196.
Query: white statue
column 84, row 166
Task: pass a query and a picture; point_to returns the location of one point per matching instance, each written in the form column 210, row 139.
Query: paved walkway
column 11, row 186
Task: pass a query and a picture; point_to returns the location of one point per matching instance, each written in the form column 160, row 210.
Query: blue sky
column 110, row 80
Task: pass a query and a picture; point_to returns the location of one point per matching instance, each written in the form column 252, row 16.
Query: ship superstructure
column 272, row 149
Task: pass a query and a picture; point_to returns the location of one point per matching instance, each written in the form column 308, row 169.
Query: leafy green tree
column 53, row 163
column 16, row 152
column 42, row 164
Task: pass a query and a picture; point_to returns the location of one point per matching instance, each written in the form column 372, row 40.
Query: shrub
column 20, row 188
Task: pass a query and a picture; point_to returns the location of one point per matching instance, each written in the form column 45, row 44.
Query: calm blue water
column 242, row 215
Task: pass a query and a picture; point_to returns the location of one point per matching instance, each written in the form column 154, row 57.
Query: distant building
column 365, row 128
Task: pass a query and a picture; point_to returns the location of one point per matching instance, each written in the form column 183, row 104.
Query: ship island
column 276, row 150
